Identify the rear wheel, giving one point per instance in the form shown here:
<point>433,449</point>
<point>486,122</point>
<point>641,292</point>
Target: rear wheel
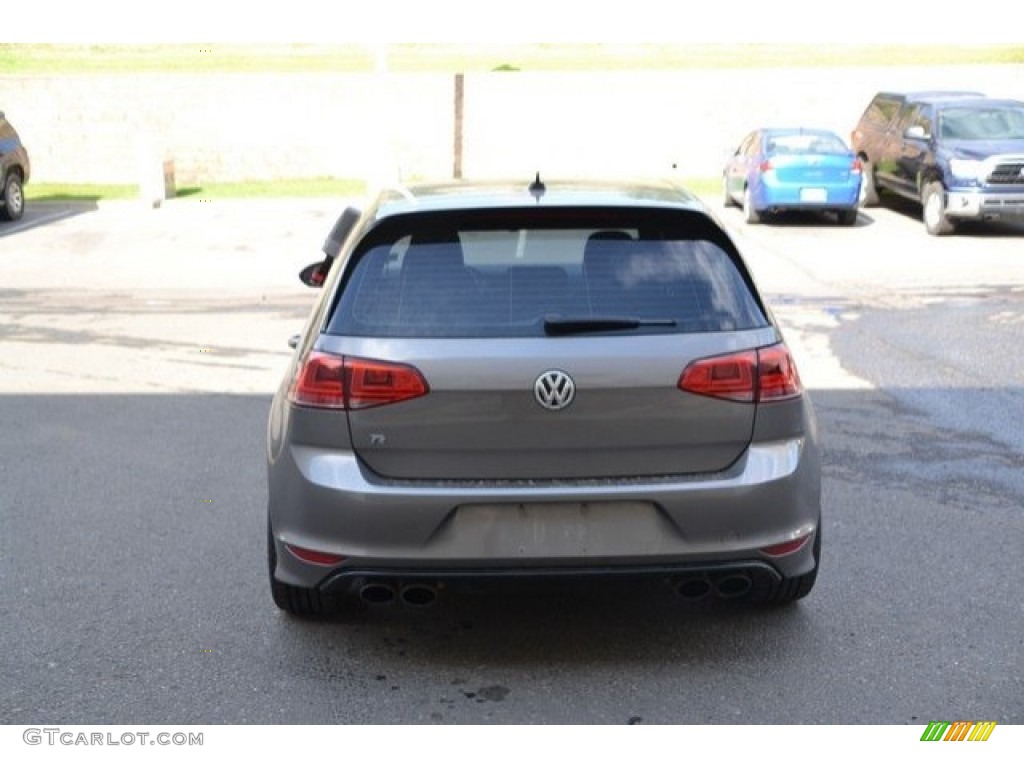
<point>933,204</point>
<point>848,217</point>
<point>13,198</point>
<point>750,214</point>
<point>727,200</point>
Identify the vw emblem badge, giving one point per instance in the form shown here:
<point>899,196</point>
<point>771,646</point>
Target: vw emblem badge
<point>554,390</point>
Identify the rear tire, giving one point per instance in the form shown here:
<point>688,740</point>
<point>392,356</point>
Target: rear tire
<point>790,590</point>
<point>727,201</point>
<point>13,198</point>
<point>868,190</point>
<point>933,210</point>
<point>847,217</point>
<point>750,214</point>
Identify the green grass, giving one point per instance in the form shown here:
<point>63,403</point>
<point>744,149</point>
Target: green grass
<point>55,192</point>
<point>703,187</point>
<point>199,58</point>
<point>345,188</point>
<point>277,188</point>
<point>42,59</point>
<point>79,192</point>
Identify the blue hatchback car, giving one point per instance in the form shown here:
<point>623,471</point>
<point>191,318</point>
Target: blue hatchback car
<point>793,169</point>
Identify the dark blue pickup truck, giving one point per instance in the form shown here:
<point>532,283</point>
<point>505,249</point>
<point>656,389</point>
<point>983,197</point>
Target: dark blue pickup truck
<point>960,154</point>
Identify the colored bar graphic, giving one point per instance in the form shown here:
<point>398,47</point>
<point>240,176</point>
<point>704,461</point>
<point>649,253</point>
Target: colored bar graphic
<point>982,731</point>
<point>935,730</point>
<point>959,730</point>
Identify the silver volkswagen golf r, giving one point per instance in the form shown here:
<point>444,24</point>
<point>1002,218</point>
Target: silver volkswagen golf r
<point>559,379</point>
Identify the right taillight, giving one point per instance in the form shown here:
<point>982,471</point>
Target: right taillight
<point>777,375</point>
<point>752,376</point>
<point>352,383</point>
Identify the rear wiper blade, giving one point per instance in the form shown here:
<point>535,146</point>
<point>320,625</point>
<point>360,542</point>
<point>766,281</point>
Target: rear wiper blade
<point>566,326</point>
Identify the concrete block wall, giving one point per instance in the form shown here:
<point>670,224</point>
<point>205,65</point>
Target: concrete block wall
<point>231,127</point>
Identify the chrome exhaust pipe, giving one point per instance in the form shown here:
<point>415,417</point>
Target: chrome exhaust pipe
<point>377,593</point>
<point>418,595</point>
<point>733,585</point>
<point>694,588</point>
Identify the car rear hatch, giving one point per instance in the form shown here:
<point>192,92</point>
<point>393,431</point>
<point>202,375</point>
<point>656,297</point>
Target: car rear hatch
<point>813,169</point>
<point>811,159</point>
<point>544,349</point>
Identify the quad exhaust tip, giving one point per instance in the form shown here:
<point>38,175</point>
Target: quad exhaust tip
<point>726,586</point>
<point>377,593</point>
<point>418,595</point>
<point>733,585</point>
<point>694,589</point>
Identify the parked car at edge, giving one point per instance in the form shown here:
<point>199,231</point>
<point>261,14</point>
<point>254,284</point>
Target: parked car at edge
<point>959,154</point>
<point>556,380</point>
<point>793,169</point>
<point>14,172</point>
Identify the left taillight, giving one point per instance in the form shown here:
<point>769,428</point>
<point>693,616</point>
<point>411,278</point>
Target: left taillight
<point>351,383</point>
<point>753,376</point>
<point>372,382</point>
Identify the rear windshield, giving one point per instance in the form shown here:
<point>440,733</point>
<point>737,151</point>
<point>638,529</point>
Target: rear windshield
<point>479,279</point>
<point>806,144</point>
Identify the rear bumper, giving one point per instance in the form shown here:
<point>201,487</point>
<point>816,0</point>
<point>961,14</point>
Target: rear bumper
<point>416,587</point>
<point>772,194</point>
<point>327,501</point>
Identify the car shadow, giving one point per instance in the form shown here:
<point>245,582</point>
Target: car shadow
<point>811,219</point>
<point>985,229</point>
<point>798,219</point>
<point>41,212</point>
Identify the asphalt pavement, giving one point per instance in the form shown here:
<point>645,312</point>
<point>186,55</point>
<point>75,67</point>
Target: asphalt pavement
<point>138,351</point>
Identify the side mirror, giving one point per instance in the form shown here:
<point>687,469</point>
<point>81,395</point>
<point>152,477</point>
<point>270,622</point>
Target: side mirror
<point>315,274</point>
<point>916,132</point>
<point>339,232</point>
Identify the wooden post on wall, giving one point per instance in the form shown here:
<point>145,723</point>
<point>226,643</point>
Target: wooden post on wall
<point>459,101</point>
